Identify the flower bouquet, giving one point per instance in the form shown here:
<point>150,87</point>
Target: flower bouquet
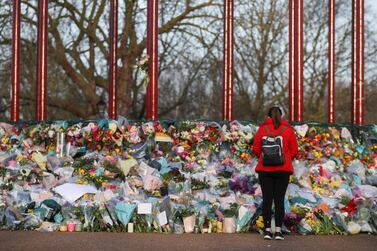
<point>197,184</point>
<point>322,224</point>
<point>230,215</point>
<point>188,216</point>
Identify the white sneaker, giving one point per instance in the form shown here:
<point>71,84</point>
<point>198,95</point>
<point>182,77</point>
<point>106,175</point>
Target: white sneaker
<point>267,235</point>
<point>279,236</point>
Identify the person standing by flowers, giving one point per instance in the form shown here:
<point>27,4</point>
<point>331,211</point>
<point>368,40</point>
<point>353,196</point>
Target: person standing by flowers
<point>275,144</point>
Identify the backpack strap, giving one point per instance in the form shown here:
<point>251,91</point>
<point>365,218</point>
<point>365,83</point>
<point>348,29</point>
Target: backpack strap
<point>270,134</point>
<point>282,130</point>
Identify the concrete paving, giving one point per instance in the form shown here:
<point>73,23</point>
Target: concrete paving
<point>20,240</point>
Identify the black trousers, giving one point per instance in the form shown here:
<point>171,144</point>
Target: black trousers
<point>274,185</point>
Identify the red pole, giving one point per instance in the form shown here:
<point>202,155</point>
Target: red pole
<point>358,62</point>
<point>228,68</point>
<point>292,25</point>
<point>16,46</point>
<point>152,49</point>
<point>300,61</point>
<point>331,64</point>
<point>113,67</point>
<point>296,60</point>
<point>361,58</point>
<point>42,59</point>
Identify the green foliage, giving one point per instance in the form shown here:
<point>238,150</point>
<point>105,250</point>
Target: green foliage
<point>231,211</point>
<point>198,184</point>
<point>327,226</point>
<point>187,211</point>
<point>84,163</point>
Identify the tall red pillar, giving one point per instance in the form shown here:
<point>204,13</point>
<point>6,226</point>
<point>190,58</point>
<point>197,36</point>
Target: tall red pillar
<point>42,60</point>
<point>331,65</point>
<point>113,57</point>
<point>358,62</point>
<point>152,49</point>
<point>228,67</point>
<point>296,60</point>
<point>16,46</point>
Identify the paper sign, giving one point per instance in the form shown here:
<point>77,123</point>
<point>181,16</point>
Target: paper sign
<point>144,208</point>
<point>302,129</point>
<point>72,192</point>
<point>126,165</point>
<point>162,219</point>
<point>40,160</point>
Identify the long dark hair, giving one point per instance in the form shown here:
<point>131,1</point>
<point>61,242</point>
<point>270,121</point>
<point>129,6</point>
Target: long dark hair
<point>275,114</point>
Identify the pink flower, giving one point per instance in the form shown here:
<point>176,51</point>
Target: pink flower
<point>152,183</point>
<point>12,163</point>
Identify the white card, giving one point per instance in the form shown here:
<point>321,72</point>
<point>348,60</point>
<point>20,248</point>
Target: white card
<point>302,129</point>
<point>162,219</point>
<point>144,208</point>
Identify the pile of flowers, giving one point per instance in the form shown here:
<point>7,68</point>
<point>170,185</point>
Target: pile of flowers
<point>179,177</point>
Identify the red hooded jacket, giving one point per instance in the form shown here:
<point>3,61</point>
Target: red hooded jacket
<point>290,146</point>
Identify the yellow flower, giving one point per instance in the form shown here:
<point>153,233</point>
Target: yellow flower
<point>81,171</point>
<point>313,223</point>
<point>323,180</point>
<point>318,189</point>
<point>104,183</point>
<point>317,154</point>
<point>294,209</point>
<point>5,140</point>
<point>260,223</point>
<point>335,183</point>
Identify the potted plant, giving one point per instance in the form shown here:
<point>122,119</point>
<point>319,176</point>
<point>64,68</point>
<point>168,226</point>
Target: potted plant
<point>188,215</point>
<point>230,218</point>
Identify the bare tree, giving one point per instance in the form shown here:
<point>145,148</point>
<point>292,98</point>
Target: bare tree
<point>78,46</point>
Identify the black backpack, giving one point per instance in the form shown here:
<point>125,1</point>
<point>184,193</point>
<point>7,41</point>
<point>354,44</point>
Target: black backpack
<point>272,148</point>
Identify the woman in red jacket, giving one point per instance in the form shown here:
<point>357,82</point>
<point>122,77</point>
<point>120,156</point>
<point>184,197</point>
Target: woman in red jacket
<point>275,145</point>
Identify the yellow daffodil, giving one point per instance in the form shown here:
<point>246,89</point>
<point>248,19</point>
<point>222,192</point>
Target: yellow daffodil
<point>335,183</point>
<point>260,223</point>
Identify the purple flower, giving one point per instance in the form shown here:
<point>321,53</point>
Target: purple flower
<point>242,184</point>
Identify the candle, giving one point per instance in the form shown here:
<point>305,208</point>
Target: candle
<point>219,227</point>
<point>130,227</point>
<point>71,227</point>
<point>60,144</point>
<point>78,227</point>
<point>68,148</point>
<point>63,228</point>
